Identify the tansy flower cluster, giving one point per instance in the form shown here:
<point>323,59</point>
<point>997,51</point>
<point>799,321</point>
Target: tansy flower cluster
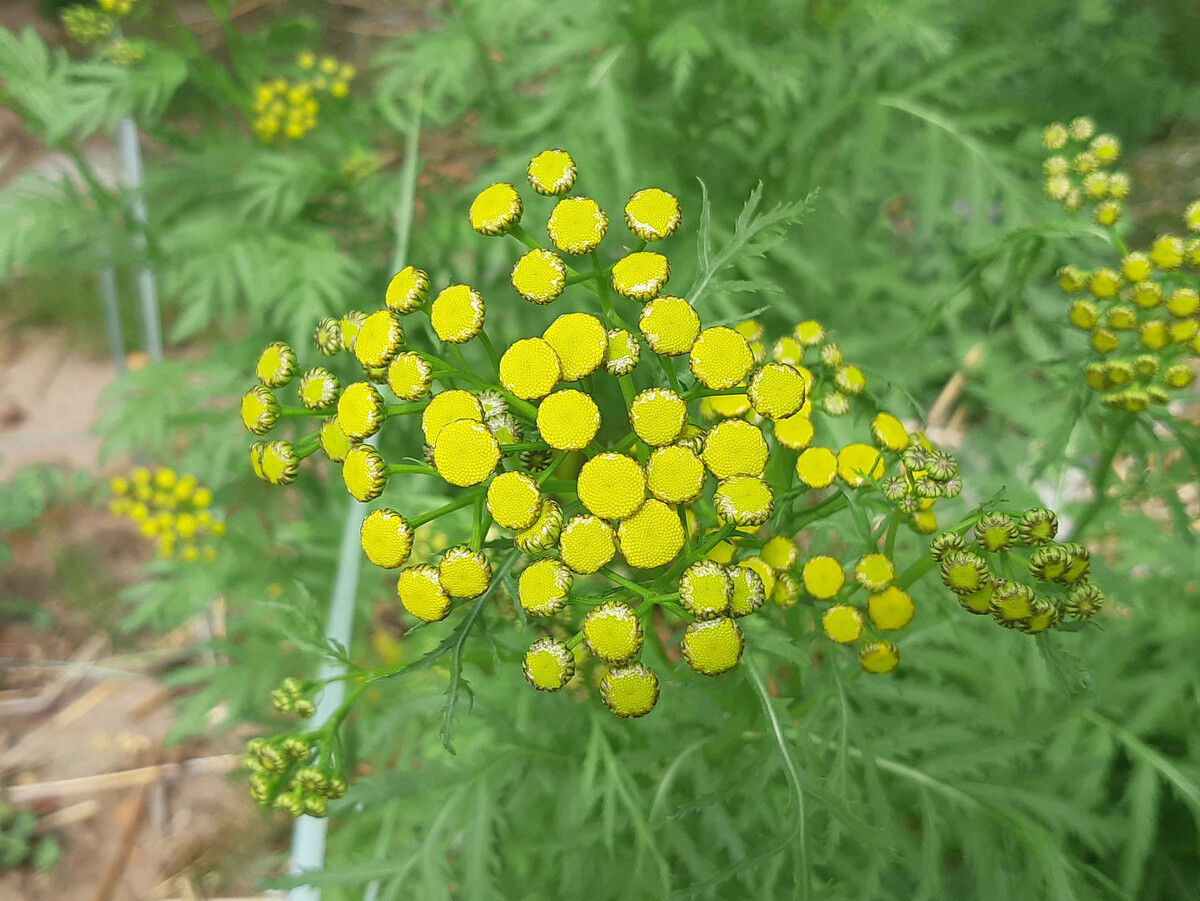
<point>89,25</point>
<point>173,511</point>
<point>288,107</point>
<point>1079,170</point>
<point>1142,315</point>
<point>991,574</point>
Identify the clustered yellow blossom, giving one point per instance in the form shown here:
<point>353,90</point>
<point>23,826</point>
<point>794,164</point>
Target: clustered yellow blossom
<point>1079,171</point>
<point>288,107</point>
<point>91,25</point>
<point>174,511</point>
<point>1142,313</point>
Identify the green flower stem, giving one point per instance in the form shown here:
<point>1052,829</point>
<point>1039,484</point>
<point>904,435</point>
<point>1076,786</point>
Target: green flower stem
<point>698,390</point>
<point>306,451</point>
<point>491,351</point>
<point>1101,474</point>
<point>614,318</point>
<point>526,409</point>
<point>573,641</point>
<point>626,583</point>
<point>288,412</point>
<point>529,241</point>
<point>826,508</point>
<point>668,369</point>
<point>586,277</point>
<point>420,468</point>
<point>544,476</point>
<point>482,522</point>
<point>406,409</point>
<point>626,443</point>
<point>523,446</point>
<point>893,529</point>
<point>458,503</point>
<point>687,537</point>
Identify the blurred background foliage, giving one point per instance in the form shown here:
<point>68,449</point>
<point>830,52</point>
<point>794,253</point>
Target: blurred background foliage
<point>992,766</point>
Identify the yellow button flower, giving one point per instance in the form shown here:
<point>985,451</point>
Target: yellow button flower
<point>734,448</point>
<point>349,326</point>
<point>891,608</point>
<point>705,590</point>
<point>544,532</point>
<point>657,416</point>
<point>333,440</point>
<point>328,337</point>
<point>786,592</point>
<point>612,632</point>
<point>652,214</point>
<point>1183,302</point>
<point>763,570</point>
<point>652,536</point>
<point>675,475</point>
<point>409,376</point>
<point>858,462</point>
<point>318,389</point>
<point>464,573</point>
<point>629,691</point>
<point>622,354</point>
<point>670,325</point>
<point>577,225</point>
<point>446,407</point>
<point>1154,334</point>
<point>387,538</point>
<point>611,485</point>
<point>720,358</point>
<point>748,591</point>
<point>794,432</point>
<point>514,500</point>
<point>1191,216</point>
<point>552,172</point>
<point>364,472</point>
<point>539,276</point>
<point>568,420</point>
<point>495,210</point>
<point>421,593</point>
<point>843,624</point>
<point>379,339</point>
<point>1167,252</point>
<point>544,586</point>
<point>874,572</point>
<point>587,544</point>
<point>640,275</point>
<point>780,552</point>
<point>260,410</point>
<point>713,646</point>
<point>850,379</point>
<point>745,500</point>
<point>809,333</point>
<point>276,366</point>
<point>530,368</point>
<point>407,290</point>
<point>787,350</point>
<point>823,577</point>
<point>889,432</point>
<point>879,657</point>
<point>360,411</point>
<point>466,453</point>
<point>580,341</point>
<point>548,664</point>
<point>776,390</point>
<point>457,314</point>
<point>727,406</point>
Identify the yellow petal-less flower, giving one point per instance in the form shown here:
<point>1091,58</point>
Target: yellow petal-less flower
<point>539,276</point>
<point>657,416</point>
<point>843,624</point>
<point>744,500</point>
<point>776,390</point>
<point>544,532</point>
<point>720,358</point>
<point>260,410</point>
<point>457,314</point>
<point>713,646</point>
<point>530,368</point>
<point>548,664</point>
<point>612,485</point>
<point>650,537</point>
<point>318,389</point>
<point>421,593</point>
<point>879,657</point>
<point>379,339</point>
<point>408,289</point>
<point>1166,252</point>
<point>874,572</point>
<point>670,325</point>
<point>466,453</point>
<point>544,586</point>
<point>891,608</point>
<point>276,366</point>
<point>858,462</point>
<point>333,440</point>
<point>409,376</point>
<point>734,447</point>
<point>652,214</point>
<point>748,592</point>
<point>364,472</point>
<point>360,411</point>
<point>763,570</point>
<point>464,572</point>
<point>675,475</point>
<point>823,577</point>
<point>495,210</point>
<point>387,538</point>
<point>577,225</point>
<point>794,432</point>
<point>629,691</point>
<point>552,172</point>
<point>280,463</point>
<point>580,341</point>
<point>780,552</point>
<point>622,354</point>
<point>889,432</point>
<point>587,543</point>
<point>706,589</point>
<point>514,500</point>
<point>568,420</point>
<point>612,632</point>
<point>641,275</point>
<point>444,408</point>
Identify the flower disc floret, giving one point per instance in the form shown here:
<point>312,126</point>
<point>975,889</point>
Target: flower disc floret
<point>652,214</point>
<point>843,624</point>
<point>260,410</point>
<point>879,657</point>
<point>794,432</point>
<point>409,376</point>
<point>612,632</point>
<point>744,500</point>
<point>874,572</point>
<point>333,440</point>
<point>577,225</point>
<point>568,420</point>
<point>552,172</point>
<point>539,276</point>
<point>720,358</point>
<point>496,209</point>
<point>379,339</point>
<point>544,586</point>
<point>360,411</point>
<point>611,485</point>
<point>641,275</point>
<point>706,590</point>
<point>675,475</point>
<point>548,664</point>
<point>464,572</point>
<point>657,416</point>
<point>280,463</point>
<point>466,453</point>
<point>670,325</point>
<point>652,536</point>
<point>858,462</point>
<point>530,368</point>
<point>514,500</point>
<point>776,390</point>
<point>780,552</point>
<point>714,646</point>
<point>891,608</point>
<point>365,472</point>
<point>1183,302</point>
<point>408,289</point>
<point>387,538</point>
<point>734,448</point>
<point>587,544</point>
<point>622,354</point>
<point>748,592</point>
<point>446,407</point>
<point>580,340</point>
<point>889,432</point>
<point>964,572</point>
<point>629,691</point>
<point>276,366</point>
<point>318,389</point>
<point>457,314</point>
<point>421,593</point>
<point>823,577</point>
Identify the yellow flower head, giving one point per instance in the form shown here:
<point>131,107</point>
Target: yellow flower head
<point>713,646</point>
<point>652,536</point>
<point>260,410</point>
<point>421,593</point>
<point>891,608</point>
<point>379,339</point>
<point>276,366</point>
<point>850,379</point>
<point>879,657</point>
<point>794,432</point>
<point>495,210</point>
<point>457,314</point>
<point>360,410</point>
<point>874,572</point>
<point>465,453</point>
<point>349,326</point>
<point>409,376</point>
<point>408,289</point>
<point>1106,148</point>
<point>652,214</point>
<point>787,350</point>
<point>586,544</point>
<point>1055,136</point>
<point>734,447</point>
<point>548,664</point>
<point>1183,302</point>
<point>705,590</point>
<point>280,463</point>
<point>447,406</point>
<point>675,475</point>
<point>539,276</point>
<point>720,358</point>
<point>657,416</point>
<point>580,341</point>
<point>333,440</point>
<point>889,432</point>
<point>387,538</point>
<point>809,333</point>
<point>365,472</point>
<point>544,532</point>
<point>577,225</point>
<point>514,500</point>
<point>552,172</point>
<point>622,354</point>
<point>780,552</point>
<point>568,420</point>
<point>748,591</point>
<point>464,573</point>
<point>318,389</point>
<point>530,368</point>
<point>612,632</point>
<point>786,592</point>
<point>641,275</point>
<point>544,586</point>
<point>823,577</point>
<point>1167,252</point>
<point>843,624</point>
<point>612,485</point>
<point>745,500</point>
<point>858,462</point>
<point>629,691</point>
<point>763,570</point>
<point>776,390</point>
<point>670,325</point>
<point>328,337</point>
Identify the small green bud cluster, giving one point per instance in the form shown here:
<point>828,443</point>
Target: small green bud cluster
<point>287,698</point>
<point>282,775</point>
